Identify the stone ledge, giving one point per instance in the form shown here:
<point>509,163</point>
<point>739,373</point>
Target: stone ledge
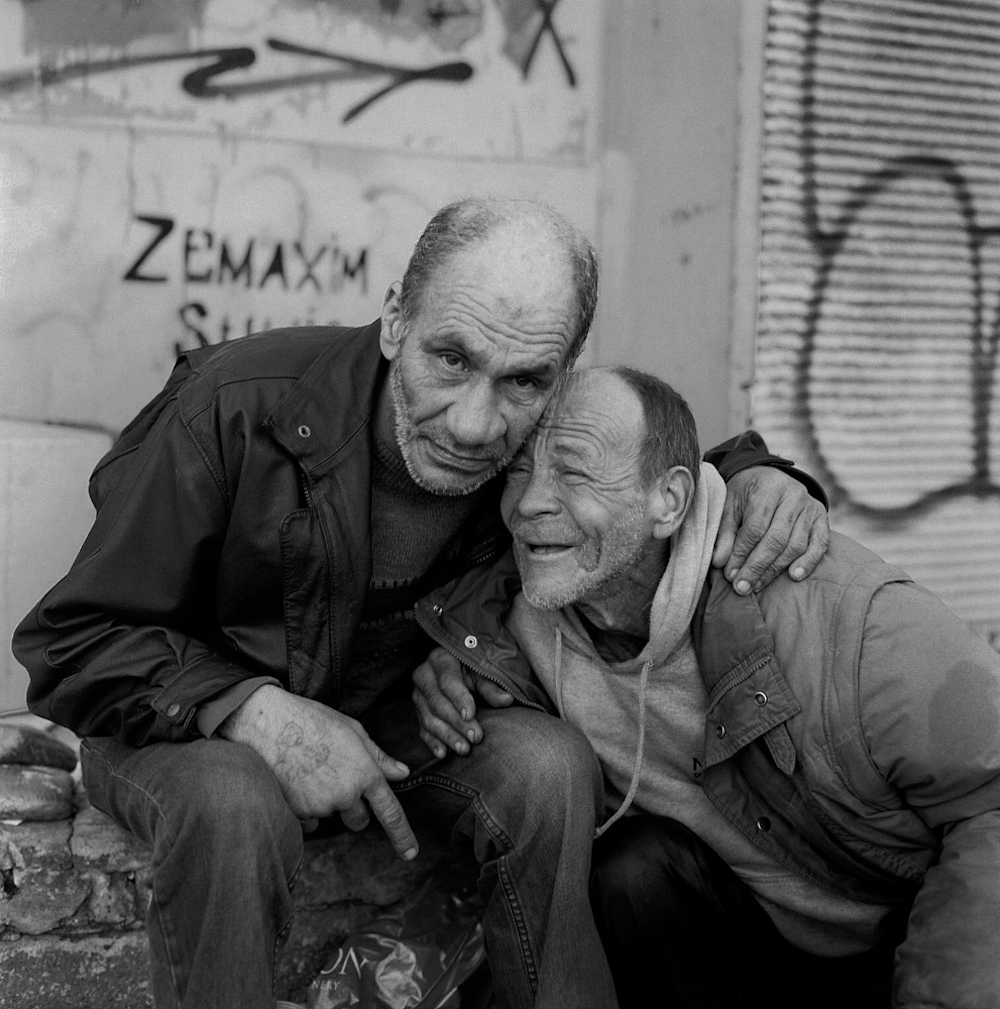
<point>71,877</point>
<point>94,972</point>
<point>71,913</point>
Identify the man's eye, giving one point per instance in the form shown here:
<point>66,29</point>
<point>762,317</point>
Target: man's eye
<point>451,360</point>
<point>519,469</point>
<point>525,382</point>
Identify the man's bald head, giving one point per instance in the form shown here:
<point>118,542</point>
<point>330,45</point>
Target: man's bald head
<point>539,229</point>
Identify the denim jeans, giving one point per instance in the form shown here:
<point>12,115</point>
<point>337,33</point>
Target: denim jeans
<point>227,850</point>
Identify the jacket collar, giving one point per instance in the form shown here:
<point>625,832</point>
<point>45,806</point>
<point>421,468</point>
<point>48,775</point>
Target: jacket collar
<point>333,401</point>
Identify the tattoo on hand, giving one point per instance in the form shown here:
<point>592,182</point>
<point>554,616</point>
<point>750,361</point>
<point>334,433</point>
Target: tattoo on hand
<point>297,758</point>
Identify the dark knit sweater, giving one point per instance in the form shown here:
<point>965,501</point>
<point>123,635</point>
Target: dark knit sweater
<point>410,529</point>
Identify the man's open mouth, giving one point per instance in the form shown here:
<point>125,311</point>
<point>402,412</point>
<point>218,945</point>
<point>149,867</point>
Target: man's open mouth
<point>546,549</point>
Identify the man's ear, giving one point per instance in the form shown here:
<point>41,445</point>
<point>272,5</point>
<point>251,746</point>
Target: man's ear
<point>390,336</point>
<point>670,500</point>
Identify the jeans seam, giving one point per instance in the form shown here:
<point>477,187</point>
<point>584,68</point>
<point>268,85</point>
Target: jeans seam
<point>507,887</point>
<point>514,906</point>
<point>282,932</point>
<point>153,899</point>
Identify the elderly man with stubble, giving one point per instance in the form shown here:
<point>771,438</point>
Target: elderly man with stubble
<point>803,783</point>
<point>241,613</point>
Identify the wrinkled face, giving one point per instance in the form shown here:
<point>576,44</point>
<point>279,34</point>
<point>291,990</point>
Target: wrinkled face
<point>573,500</point>
<point>473,370</point>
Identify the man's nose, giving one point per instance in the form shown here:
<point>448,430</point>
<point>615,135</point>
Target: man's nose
<point>474,419</point>
<point>539,496</point>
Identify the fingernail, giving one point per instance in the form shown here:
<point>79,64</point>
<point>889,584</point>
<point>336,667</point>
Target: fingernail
<point>472,735</point>
<point>410,854</point>
<point>798,573</point>
<point>731,573</point>
<point>402,767</point>
<point>465,714</point>
<point>461,747</point>
<point>742,586</point>
<point>439,751</point>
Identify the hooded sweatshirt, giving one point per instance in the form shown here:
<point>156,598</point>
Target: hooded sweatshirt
<point>645,718</point>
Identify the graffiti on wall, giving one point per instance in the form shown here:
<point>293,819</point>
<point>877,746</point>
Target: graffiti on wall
<point>202,258</point>
<point>305,67</point>
<point>979,250</point>
<point>878,358</point>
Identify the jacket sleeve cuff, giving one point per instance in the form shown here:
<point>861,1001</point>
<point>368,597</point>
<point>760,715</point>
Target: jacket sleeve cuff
<point>213,713</point>
<point>178,701</point>
<point>750,449</point>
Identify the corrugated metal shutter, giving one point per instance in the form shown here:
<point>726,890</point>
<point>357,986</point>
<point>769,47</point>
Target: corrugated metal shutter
<point>879,313</point>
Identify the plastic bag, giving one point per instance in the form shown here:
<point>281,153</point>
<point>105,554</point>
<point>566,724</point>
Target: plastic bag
<point>415,958</point>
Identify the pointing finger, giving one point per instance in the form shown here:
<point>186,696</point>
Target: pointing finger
<point>390,814</point>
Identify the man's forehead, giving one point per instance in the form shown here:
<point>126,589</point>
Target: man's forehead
<point>593,414</point>
<point>522,259</point>
<point>485,302</point>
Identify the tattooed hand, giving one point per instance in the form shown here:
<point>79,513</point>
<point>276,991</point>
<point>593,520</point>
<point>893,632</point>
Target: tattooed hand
<point>324,761</point>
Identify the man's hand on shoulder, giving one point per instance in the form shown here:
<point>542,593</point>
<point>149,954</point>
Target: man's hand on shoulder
<point>444,693</point>
<point>324,761</point>
<point>770,524</point>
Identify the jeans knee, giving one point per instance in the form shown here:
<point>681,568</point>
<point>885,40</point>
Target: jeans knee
<point>569,762</point>
<point>225,795</point>
<point>553,761</point>
<point>543,774</point>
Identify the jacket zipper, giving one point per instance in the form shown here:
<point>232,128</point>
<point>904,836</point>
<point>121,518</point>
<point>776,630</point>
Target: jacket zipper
<point>306,489</point>
<point>472,664</point>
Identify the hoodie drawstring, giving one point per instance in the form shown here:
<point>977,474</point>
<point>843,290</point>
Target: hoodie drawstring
<point>633,786</point>
<point>559,680</point>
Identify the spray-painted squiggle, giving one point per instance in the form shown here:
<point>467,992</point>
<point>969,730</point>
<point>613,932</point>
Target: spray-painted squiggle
<point>828,243</point>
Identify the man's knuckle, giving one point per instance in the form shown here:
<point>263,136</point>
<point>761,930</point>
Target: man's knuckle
<point>756,525</point>
<point>394,818</point>
<point>440,705</point>
<point>774,540</point>
<point>798,542</point>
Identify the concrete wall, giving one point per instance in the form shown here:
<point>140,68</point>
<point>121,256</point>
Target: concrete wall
<point>671,143</point>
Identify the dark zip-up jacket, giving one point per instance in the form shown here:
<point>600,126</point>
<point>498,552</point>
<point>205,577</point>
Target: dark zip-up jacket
<point>232,540</point>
